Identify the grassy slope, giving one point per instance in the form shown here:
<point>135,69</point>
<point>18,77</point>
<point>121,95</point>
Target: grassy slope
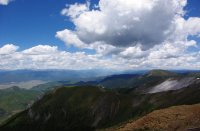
<point>73,109</point>
<point>177,118</point>
<point>13,100</point>
<point>125,104</point>
<point>87,107</point>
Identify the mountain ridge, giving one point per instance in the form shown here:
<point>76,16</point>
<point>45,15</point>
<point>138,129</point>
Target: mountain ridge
<point>176,118</point>
<point>97,107</point>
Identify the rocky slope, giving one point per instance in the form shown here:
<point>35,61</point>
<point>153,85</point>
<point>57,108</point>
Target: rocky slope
<point>177,118</point>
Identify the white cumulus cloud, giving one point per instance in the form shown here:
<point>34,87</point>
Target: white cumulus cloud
<point>5,2</point>
<point>123,23</point>
<point>125,34</point>
<point>135,33</point>
<point>8,49</point>
<point>50,57</point>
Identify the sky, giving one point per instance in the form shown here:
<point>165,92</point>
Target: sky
<point>99,34</point>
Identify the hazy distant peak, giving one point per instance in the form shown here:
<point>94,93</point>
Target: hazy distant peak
<point>159,72</point>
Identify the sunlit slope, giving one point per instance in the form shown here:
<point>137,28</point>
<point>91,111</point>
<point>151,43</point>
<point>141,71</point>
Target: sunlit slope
<point>177,118</point>
<point>14,99</point>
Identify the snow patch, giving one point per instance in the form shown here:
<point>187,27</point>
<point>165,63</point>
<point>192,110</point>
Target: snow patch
<point>172,84</point>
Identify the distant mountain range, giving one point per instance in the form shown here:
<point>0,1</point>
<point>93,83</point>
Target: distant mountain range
<point>150,82</point>
<point>106,102</point>
<point>15,76</point>
<point>51,75</point>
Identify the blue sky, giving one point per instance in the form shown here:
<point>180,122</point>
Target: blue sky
<point>28,23</point>
<point>193,8</point>
<point>31,22</point>
<point>25,24</point>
